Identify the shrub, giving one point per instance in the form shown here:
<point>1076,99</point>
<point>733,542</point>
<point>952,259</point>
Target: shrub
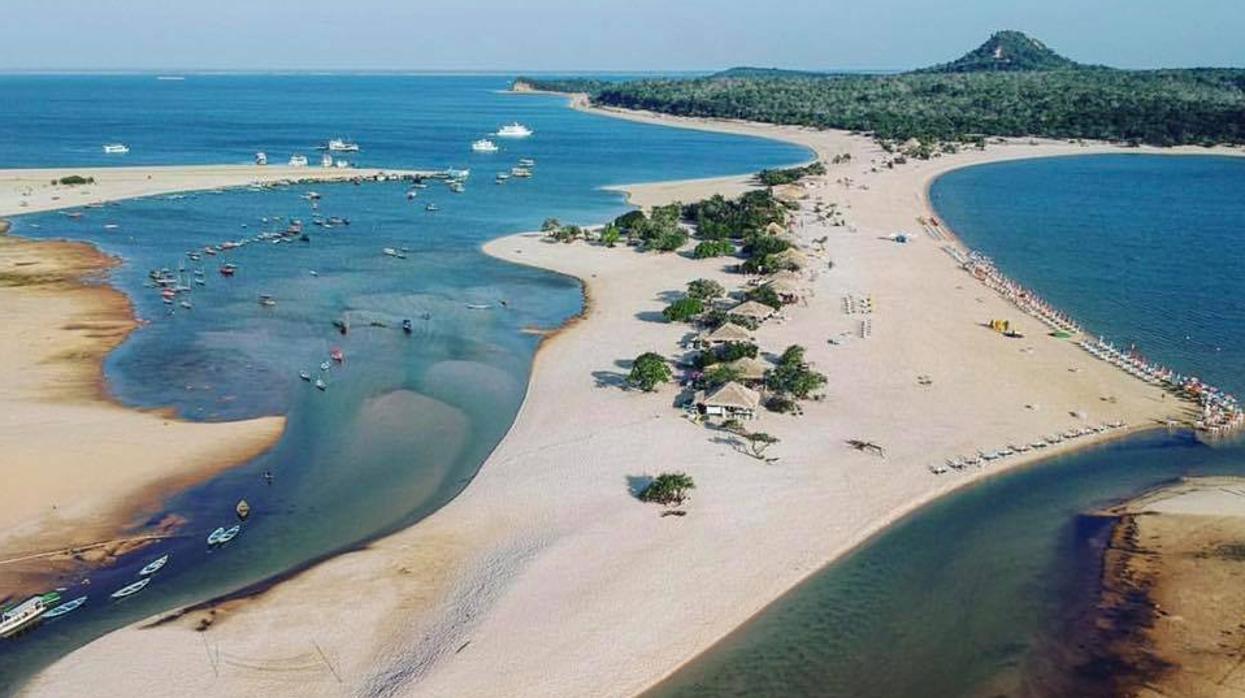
<point>713,248</point>
<point>705,289</point>
<point>683,310</point>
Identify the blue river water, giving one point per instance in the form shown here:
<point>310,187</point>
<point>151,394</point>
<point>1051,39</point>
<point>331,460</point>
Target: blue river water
<point>405,421</point>
<point>972,595</point>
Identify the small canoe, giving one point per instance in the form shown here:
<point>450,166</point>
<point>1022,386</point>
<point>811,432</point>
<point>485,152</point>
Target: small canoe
<point>214,537</point>
<point>131,589</point>
<point>229,534</point>
<point>154,566</point>
<point>67,607</point>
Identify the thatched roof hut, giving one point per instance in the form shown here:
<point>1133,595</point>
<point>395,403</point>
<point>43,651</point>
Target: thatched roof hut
<point>749,369</point>
<point>728,332</point>
<point>790,257</point>
<point>730,400</point>
<point>752,309</point>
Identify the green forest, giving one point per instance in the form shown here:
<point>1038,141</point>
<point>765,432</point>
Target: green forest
<point>1010,86</point>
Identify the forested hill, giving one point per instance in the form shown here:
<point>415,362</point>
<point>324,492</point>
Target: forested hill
<point>1006,51</point>
<point>967,99</point>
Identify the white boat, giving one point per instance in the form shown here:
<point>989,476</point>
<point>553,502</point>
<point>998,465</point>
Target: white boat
<point>229,534</point>
<point>484,145</point>
<point>116,149</point>
<point>298,161</point>
<point>66,607</point>
<point>320,384</point>
<point>22,616</point>
<point>527,162</point>
<point>305,376</point>
<point>326,160</point>
<point>261,158</point>
<point>457,174</point>
<point>223,535</point>
<point>131,589</point>
<point>478,306</point>
<point>154,566</point>
<point>514,130</point>
<point>341,145</point>
<point>520,172</point>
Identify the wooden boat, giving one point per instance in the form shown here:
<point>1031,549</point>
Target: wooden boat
<point>229,534</point>
<point>131,589</point>
<point>22,616</point>
<point>67,607</point>
<point>154,566</point>
<point>336,355</point>
<point>406,326</point>
<point>243,509</point>
<point>228,269</point>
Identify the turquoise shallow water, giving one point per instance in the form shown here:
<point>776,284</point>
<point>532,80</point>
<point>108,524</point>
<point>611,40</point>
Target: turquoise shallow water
<point>407,420</point>
<point>971,596</point>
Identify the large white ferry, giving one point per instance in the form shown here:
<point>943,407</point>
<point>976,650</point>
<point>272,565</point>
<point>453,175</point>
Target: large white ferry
<point>340,145</point>
<point>514,130</point>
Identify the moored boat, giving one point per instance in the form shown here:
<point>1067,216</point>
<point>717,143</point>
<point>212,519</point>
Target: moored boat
<point>484,145</point>
<point>22,616</point>
<point>131,589</point>
<point>67,607</point>
<point>154,566</point>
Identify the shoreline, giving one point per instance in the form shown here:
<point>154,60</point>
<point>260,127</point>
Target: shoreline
<point>125,462</point>
<point>516,574</point>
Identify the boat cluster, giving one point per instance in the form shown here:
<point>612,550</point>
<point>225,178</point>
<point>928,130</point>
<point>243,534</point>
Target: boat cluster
<point>523,170</point>
<point>983,458</point>
<point>983,269</point>
<point>23,616</point>
<point>1221,412</point>
<point>336,357</point>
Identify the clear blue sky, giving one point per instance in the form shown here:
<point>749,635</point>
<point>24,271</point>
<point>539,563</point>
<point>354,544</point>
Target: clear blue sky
<point>599,34</point>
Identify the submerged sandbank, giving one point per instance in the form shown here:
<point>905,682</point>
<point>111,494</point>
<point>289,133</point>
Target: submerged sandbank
<point>1164,618</point>
<point>546,577</point>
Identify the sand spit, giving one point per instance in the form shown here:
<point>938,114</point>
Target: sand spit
<point>546,577</point>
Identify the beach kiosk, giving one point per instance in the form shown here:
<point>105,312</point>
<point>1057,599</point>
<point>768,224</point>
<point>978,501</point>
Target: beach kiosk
<point>730,401</point>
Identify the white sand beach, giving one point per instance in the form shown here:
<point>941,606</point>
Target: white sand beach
<point>547,577</point>
<point>33,190</point>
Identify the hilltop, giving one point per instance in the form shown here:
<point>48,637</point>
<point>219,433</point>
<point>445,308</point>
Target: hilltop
<point>1006,51</point>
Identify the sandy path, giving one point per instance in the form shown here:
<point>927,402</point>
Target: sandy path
<point>547,578</point>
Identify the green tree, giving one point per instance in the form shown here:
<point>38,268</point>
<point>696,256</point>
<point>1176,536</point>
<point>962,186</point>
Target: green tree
<point>668,488</point>
<point>648,371</point>
<point>550,225</point>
